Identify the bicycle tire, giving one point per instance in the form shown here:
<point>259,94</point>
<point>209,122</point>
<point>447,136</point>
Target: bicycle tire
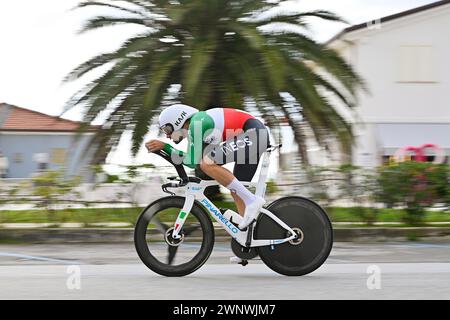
<point>313,248</point>
<point>143,250</point>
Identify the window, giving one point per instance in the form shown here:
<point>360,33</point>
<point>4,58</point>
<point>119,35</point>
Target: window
<point>58,155</point>
<point>18,157</point>
<point>416,64</point>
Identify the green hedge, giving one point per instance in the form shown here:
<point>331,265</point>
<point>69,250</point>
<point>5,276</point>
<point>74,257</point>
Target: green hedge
<point>415,186</point>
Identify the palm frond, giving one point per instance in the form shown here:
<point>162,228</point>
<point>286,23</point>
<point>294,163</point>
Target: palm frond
<point>158,83</point>
<point>136,45</point>
<point>198,55</point>
<point>108,21</point>
<point>221,55</point>
<point>107,5</point>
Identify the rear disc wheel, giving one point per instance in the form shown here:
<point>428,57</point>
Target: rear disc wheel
<point>314,241</point>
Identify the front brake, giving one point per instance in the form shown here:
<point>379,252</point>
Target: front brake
<point>169,185</point>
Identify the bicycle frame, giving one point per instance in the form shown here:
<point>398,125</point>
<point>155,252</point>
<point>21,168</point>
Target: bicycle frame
<point>195,191</point>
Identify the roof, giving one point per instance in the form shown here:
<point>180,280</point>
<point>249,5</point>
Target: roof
<point>13,118</point>
<point>391,17</point>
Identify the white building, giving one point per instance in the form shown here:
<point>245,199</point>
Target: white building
<point>405,60</point>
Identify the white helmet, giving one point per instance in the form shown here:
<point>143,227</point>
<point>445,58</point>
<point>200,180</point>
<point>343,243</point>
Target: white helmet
<point>173,118</point>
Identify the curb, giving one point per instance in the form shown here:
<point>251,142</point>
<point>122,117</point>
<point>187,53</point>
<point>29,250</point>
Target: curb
<point>391,234</point>
<point>120,235</point>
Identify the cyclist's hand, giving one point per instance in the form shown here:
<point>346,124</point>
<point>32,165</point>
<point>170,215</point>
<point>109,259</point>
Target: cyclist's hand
<point>154,145</point>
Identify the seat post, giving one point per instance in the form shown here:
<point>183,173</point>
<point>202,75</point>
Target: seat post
<point>261,184</point>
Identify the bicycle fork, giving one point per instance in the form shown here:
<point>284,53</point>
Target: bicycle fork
<point>182,216</point>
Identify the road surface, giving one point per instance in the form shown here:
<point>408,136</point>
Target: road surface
<point>353,271</point>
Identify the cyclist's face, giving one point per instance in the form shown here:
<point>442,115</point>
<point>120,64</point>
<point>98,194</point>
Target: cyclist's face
<point>178,135</point>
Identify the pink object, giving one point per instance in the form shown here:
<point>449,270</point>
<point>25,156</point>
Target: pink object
<point>400,154</point>
<point>440,155</point>
<point>419,153</point>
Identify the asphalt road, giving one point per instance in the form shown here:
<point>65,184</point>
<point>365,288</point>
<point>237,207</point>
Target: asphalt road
<point>353,271</point>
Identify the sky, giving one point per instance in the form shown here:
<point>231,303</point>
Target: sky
<point>39,45</point>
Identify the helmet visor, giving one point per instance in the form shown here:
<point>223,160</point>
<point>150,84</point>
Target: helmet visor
<point>167,129</point>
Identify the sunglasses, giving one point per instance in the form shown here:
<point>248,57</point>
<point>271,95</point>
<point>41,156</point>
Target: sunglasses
<point>167,129</point>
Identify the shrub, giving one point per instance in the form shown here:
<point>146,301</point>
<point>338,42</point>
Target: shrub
<point>50,185</point>
<point>415,186</point>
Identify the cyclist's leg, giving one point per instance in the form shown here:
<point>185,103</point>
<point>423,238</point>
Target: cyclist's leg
<point>243,172</point>
<point>240,205</point>
<point>243,197</point>
<point>246,150</point>
<point>216,171</point>
<point>227,179</point>
<point>213,168</point>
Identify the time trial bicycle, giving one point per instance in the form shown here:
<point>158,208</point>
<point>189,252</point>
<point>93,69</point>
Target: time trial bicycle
<point>174,235</point>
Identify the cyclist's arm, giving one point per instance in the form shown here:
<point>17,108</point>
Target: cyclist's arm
<point>170,150</point>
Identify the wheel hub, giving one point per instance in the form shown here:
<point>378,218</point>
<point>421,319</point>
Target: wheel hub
<point>170,240</point>
<point>300,237</point>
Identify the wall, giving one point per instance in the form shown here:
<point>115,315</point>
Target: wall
<point>27,144</point>
<point>376,55</point>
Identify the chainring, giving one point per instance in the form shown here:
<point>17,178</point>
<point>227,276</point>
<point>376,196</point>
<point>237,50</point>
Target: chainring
<point>242,252</point>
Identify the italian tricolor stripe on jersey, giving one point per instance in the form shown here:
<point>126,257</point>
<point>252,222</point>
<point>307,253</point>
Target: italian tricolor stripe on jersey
<point>234,120</point>
<point>210,126</point>
<point>228,119</point>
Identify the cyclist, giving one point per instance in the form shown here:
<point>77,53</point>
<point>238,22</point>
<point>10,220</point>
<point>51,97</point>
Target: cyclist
<point>215,137</point>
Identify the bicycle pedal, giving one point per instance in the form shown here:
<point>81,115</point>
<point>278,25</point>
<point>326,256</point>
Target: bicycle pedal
<point>236,260</point>
<point>244,263</point>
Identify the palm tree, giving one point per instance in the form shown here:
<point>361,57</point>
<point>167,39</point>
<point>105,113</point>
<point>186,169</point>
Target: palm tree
<point>222,53</point>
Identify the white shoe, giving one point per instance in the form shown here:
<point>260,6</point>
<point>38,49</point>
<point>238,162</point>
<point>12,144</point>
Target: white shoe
<point>235,260</point>
<point>251,212</point>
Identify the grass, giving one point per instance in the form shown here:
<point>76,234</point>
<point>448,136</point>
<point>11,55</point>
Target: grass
<point>129,215</point>
<point>87,216</point>
<point>10,241</point>
<point>382,215</point>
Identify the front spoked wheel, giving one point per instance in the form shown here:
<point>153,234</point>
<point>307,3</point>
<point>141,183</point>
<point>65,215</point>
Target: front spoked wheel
<point>314,240</point>
<point>160,251</point>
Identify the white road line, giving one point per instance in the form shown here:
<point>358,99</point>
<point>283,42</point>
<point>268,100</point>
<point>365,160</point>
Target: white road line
<point>27,257</point>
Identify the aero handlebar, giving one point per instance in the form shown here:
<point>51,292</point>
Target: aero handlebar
<point>179,167</point>
<point>184,179</point>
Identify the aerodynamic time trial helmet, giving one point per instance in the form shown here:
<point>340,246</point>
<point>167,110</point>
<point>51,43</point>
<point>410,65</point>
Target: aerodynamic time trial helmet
<point>174,117</point>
